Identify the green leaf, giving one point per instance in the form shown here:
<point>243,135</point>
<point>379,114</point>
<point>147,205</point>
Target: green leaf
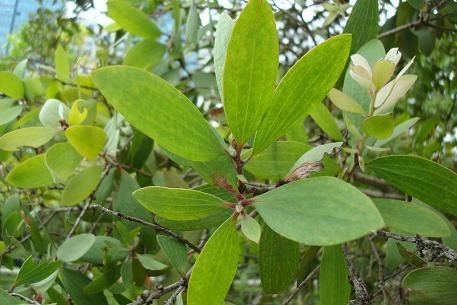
<point>304,85</point>
<point>52,112</point>
<point>74,283</point>
<point>192,24</point>
<point>6,299</point>
<point>278,260</point>
<point>160,111</point>
<point>124,202</point>
<point>315,154</point>
<point>105,280</point>
<point>74,248</point>
<point>221,39</point>
<point>178,204</point>
<point>87,140</point>
<point>31,173</point>
<point>211,221</point>
<point>363,23</point>
<point>250,70</point>
<point>250,227</point>
<point>326,121</point>
<point>423,179</point>
<point>62,159</point>
<point>176,253</point>
<point>319,211</point>
<point>105,246</point>
<point>275,161</point>
<point>29,136</point>
<point>132,19</point>
<point>148,262</point>
<point>431,286</point>
<point>215,267</point>
<point>80,186</point>
<point>398,130</point>
<point>62,63</point>
<point>11,85</point>
<point>379,126</point>
<point>9,111</point>
<point>344,102</point>
<point>33,272</point>
<point>421,220</point>
<point>334,288</point>
<point>145,54</point>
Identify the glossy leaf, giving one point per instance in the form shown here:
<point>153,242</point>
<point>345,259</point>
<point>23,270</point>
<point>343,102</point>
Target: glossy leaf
<point>176,253</point>
<point>145,54</point>
<point>62,159</point>
<point>87,140</point>
<point>334,288</point>
<point>423,179</point>
<point>29,136</point>
<point>215,267</point>
<point>132,19</point>
<point>250,70</point>
<point>275,161</point>
<point>11,85</point>
<point>178,204</point>
<point>75,247</point>
<point>31,173</point>
<point>379,126</point>
<point>160,111</point>
<point>80,186</point>
<point>343,213</point>
<point>304,85</point>
<point>326,121</point>
<point>278,260</point>
<point>433,285</point>
<point>363,23</point>
<point>221,39</point>
<point>421,220</point>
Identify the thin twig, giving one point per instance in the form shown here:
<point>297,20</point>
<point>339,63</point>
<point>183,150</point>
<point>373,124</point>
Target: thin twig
<point>297,289</point>
<point>361,292</point>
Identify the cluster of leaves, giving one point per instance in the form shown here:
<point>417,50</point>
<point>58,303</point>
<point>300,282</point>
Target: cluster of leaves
<point>115,181</point>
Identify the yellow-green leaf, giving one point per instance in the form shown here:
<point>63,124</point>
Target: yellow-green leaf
<point>31,173</point>
<point>160,111</point>
<point>145,54</point>
<point>344,102</point>
<point>379,126</point>
<point>80,186</point>
<point>62,63</point>
<point>250,71</point>
<point>11,85</point>
<point>29,136</point>
<point>326,121</point>
<point>87,140</point>
<point>304,85</point>
<point>62,159</point>
<point>215,267</point>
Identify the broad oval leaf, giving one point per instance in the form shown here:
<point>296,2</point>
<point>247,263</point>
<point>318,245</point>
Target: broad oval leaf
<point>304,85</point>
<point>52,112</point>
<point>62,159</point>
<point>29,136</point>
<point>250,70</point>
<point>75,247</point>
<point>344,102</point>
<point>150,263</point>
<point>319,211</point>
<point>334,288</point>
<point>145,54</point>
<point>87,140</point>
<point>276,161</point>
<point>11,85</point>
<point>31,173</point>
<point>132,19</point>
<point>423,179</point>
<point>250,227</point>
<point>178,204</point>
<point>278,260</point>
<point>398,130</point>
<point>105,245</point>
<point>80,186</point>
<point>420,220</point>
<point>175,251</point>
<point>160,111</point>
<point>433,285</point>
<point>215,267</point>
<point>9,111</point>
<point>379,126</point>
